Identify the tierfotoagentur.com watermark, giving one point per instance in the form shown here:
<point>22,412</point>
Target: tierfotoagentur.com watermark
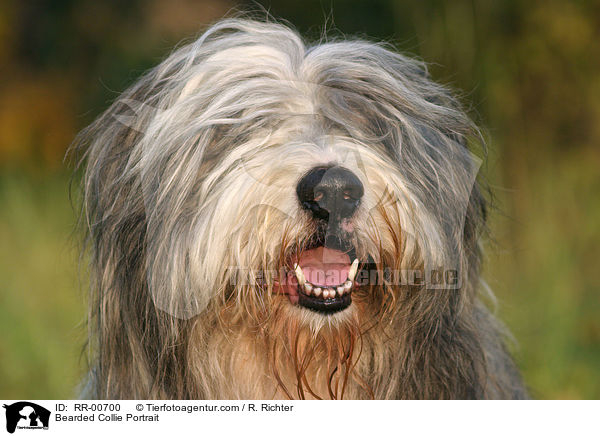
<point>431,279</point>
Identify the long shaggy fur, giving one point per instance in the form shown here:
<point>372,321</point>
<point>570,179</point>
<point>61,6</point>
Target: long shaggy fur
<point>189,199</point>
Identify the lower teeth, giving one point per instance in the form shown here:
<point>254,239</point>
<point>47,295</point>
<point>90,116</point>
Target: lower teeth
<point>327,293</point>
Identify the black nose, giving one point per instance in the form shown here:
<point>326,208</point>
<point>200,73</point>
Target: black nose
<point>330,192</point>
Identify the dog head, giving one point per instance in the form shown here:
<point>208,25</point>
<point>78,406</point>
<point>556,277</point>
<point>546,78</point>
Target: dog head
<point>251,174</point>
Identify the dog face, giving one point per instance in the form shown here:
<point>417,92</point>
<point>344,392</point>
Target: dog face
<point>253,184</point>
<point>263,164</point>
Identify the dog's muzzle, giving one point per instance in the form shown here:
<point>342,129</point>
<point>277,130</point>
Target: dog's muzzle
<point>324,271</point>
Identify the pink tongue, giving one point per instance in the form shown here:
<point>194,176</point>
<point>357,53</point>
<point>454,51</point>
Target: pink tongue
<point>324,266</point>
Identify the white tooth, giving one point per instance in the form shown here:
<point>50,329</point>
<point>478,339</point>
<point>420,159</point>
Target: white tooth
<point>308,288</point>
<point>353,270</point>
<point>317,291</point>
<point>340,290</point>
<point>299,274</point>
<point>347,284</point>
<point>325,294</point>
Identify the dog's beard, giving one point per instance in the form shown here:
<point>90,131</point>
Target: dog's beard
<point>309,354</point>
<point>312,356</point>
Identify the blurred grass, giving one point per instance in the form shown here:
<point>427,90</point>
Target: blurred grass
<point>41,308</point>
<point>544,271</point>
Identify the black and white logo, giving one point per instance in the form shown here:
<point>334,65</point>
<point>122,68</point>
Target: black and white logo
<point>26,415</point>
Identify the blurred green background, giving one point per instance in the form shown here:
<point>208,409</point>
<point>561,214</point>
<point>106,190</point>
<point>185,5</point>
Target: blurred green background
<point>528,70</point>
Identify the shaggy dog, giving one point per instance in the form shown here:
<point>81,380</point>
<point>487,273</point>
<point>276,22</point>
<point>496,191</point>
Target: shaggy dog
<point>268,220</point>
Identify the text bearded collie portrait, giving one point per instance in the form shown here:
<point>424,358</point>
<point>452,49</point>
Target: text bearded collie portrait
<point>272,219</point>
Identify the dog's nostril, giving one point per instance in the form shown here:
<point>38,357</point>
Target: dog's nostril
<point>330,191</point>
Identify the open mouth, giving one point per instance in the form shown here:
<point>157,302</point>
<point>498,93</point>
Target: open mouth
<point>324,280</point>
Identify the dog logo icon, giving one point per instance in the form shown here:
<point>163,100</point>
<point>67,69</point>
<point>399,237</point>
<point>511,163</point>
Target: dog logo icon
<point>26,415</point>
